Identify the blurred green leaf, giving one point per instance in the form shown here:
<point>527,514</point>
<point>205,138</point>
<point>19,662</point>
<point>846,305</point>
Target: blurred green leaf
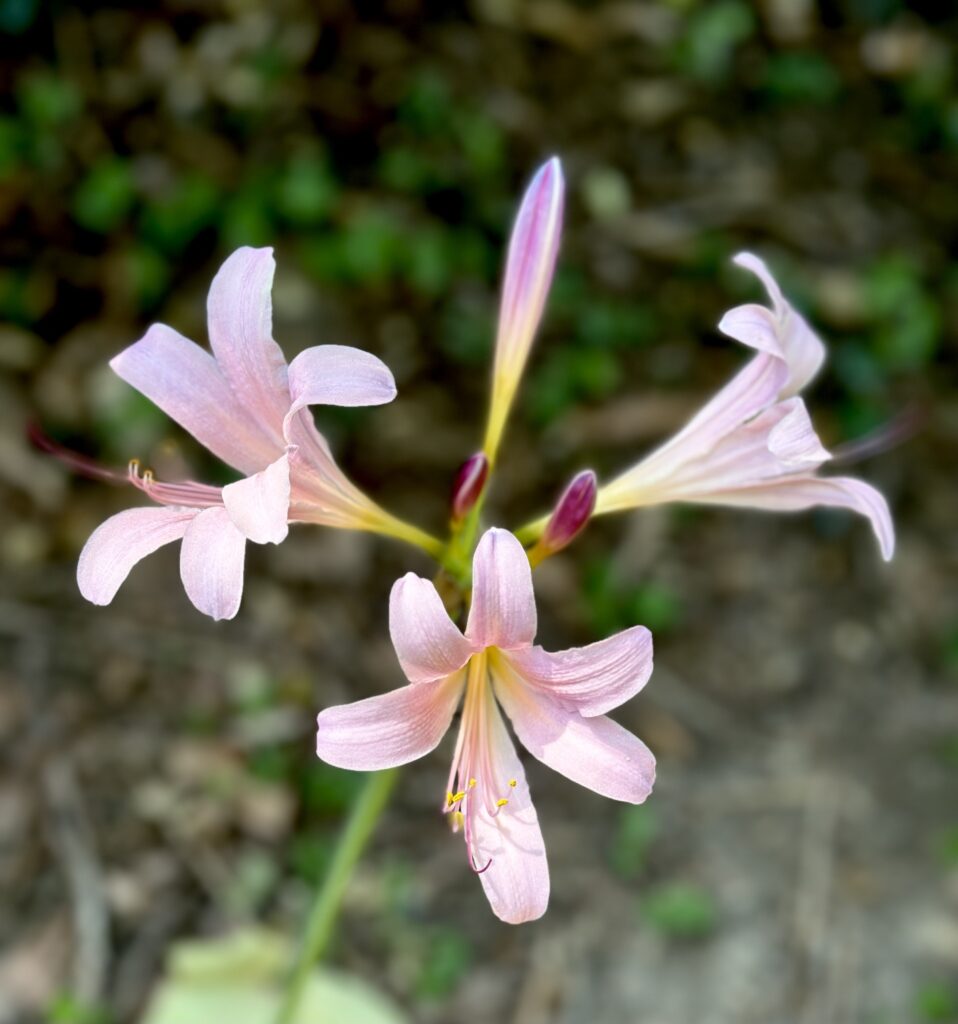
<point>712,34</point>
<point>633,839</point>
<point>11,145</point>
<point>47,99</point>
<point>173,219</point>
<point>328,790</point>
<point>907,321</point>
<point>239,979</point>
<point>801,77</point>
<point>447,959</point>
<point>937,1002</point>
<point>17,16</point>
<point>948,846</point>
<point>680,910</point>
<point>66,1009</point>
<point>306,191</point>
<point>105,197</point>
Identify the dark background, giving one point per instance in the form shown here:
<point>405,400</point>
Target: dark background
<point>798,861</point>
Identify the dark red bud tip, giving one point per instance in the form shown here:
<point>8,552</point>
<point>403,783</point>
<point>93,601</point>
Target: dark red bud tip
<point>571,513</point>
<point>469,484</point>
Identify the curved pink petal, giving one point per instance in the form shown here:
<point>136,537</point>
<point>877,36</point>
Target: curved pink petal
<point>119,543</point>
<point>259,505</point>
<point>390,729</point>
<point>506,843</point>
<point>338,375</point>
<point>184,381</point>
<point>428,643</point>
<point>595,752</point>
<point>590,680</point>
<point>803,350</point>
<point>795,493</point>
<point>211,563</point>
<point>503,612</point>
<point>240,312</point>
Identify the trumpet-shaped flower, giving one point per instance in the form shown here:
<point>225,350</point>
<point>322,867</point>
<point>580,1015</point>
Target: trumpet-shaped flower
<point>557,704</point>
<point>249,408</point>
<point>533,248</point>
<point>753,444</point>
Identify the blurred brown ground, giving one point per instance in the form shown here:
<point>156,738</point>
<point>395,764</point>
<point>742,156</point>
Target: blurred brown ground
<point>797,861</point>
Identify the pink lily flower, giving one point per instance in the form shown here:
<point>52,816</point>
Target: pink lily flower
<point>249,408</point>
<point>753,444</point>
<point>557,704</point>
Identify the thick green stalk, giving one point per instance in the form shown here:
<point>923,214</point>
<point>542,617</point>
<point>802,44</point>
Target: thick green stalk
<point>322,917</point>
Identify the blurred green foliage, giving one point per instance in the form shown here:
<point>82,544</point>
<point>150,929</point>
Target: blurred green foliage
<point>636,832</point>
<point>937,1003</point>
<point>680,910</point>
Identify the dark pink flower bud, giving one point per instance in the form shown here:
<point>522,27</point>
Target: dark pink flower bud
<point>469,484</point>
<point>571,513</point>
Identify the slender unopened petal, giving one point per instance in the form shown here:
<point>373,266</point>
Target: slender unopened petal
<point>533,248</point>
<point>390,729</point>
<point>259,505</point>
<point>211,563</point>
<point>792,494</point>
<point>338,375</point>
<point>595,752</point>
<point>590,680</point>
<point>428,643</point>
<point>507,842</point>
<point>119,543</point>
<point>503,612</point>
<point>185,382</point>
<point>240,311</point>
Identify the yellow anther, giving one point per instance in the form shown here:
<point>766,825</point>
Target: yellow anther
<point>454,798</point>
<point>501,802</point>
<point>472,783</point>
<point>513,783</point>
<point>134,465</point>
<point>457,820</point>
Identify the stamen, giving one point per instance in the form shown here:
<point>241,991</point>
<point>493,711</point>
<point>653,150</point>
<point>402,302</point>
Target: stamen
<point>513,783</point>
<point>482,870</point>
<point>501,802</point>
<point>472,783</point>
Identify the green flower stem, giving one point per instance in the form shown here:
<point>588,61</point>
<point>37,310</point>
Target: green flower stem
<point>322,917</point>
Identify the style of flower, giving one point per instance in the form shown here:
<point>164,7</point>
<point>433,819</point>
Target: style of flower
<point>530,264</point>
<point>557,703</point>
<point>753,444</point>
<point>249,408</point>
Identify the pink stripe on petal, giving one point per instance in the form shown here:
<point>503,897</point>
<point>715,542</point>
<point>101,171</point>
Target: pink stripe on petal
<point>506,842</point>
<point>119,543</point>
<point>595,752</point>
<point>793,440</point>
<point>390,729</point>
<point>503,612</point>
<point>428,643</point>
<point>240,313</point>
<point>338,375</point>
<point>184,381</point>
<point>589,680</point>
<point>211,563</point>
<point>259,505</point>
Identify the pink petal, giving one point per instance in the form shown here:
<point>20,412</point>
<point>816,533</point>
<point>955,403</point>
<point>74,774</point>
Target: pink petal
<point>338,375</point>
<point>793,441</point>
<point>211,563</point>
<point>185,382</point>
<point>390,729</point>
<point>119,543</point>
<point>589,680</point>
<point>508,839</point>
<point>240,312</point>
<point>801,347</point>
<point>503,612</point>
<point>427,642</point>
<point>794,493</point>
<point>259,505</point>
<point>595,752</point>
<point>533,248</point>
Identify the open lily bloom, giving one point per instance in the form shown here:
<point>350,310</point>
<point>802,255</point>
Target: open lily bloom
<point>530,264</point>
<point>753,444</point>
<point>557,704</point>
<point>249,408</point>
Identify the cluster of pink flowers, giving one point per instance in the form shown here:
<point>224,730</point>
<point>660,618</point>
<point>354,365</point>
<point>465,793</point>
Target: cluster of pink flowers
<point>752,445</point>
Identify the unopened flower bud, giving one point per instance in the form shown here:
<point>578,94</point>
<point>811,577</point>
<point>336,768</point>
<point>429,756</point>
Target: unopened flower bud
<point>469,484</point>
<point>571,513</point>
